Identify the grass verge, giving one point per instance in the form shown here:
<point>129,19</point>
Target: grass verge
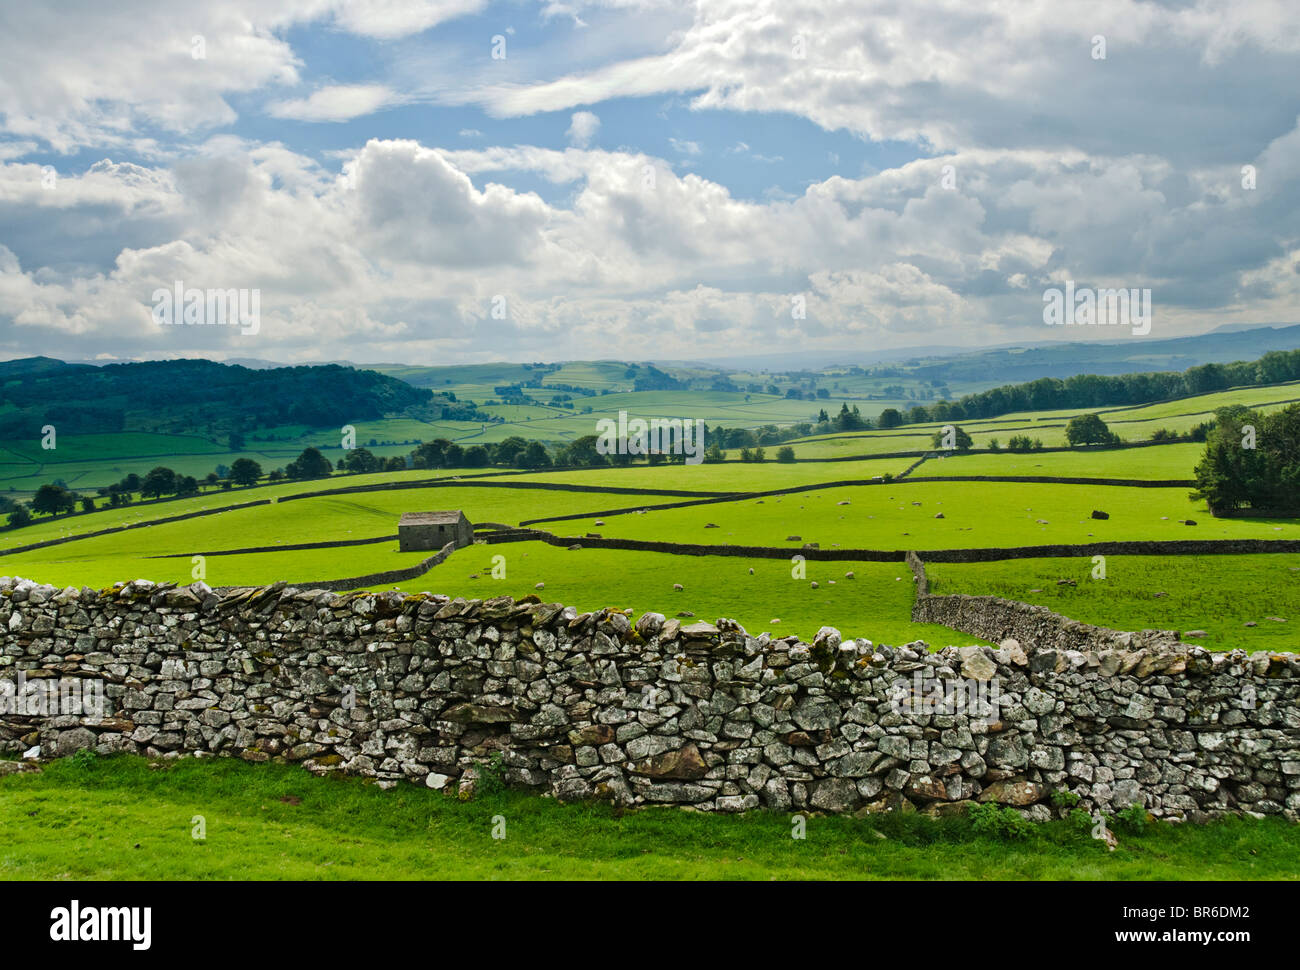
<point>124,818</point>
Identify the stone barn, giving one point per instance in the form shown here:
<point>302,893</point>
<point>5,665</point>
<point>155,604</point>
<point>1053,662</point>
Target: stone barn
<point>430,531</point>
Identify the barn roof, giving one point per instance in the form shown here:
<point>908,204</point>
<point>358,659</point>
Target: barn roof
<point>449,517</point>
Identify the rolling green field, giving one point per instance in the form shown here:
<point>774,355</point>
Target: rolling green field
<point>88,462</point>
<point>862,443</point>
<point>902,515</point>
<point>125,818</point>
<point>732,476</point>
<point>1217,594</point>
<point>274,821</point>
<point>875,604</point>
<point>1164,463</point>
<point>1132,424</point>
<point>80,523</point>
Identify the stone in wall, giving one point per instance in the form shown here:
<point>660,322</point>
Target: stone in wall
<point>425,689</point>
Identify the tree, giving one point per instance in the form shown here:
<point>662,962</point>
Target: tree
<point>53,499</point>
<point>1087,429</point>
<point>187,485</point>
<point>848,420</point>
<point>430,454</point>
<point>1251,460</point>
<point>583,452</point>
<point>507,451</point>
<point>244,471</point>
<point>359,461</point>
<point>87,503</point>
<point>476,456</point>
<point>159,482</point>
<point>890,418</point>
<point>785,455</point>
<point>20,517</point>
<point>961,439</point>
<point>535,456</point>
<point>310,464</point>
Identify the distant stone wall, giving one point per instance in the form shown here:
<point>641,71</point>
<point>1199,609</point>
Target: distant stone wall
<point>379,579</point>
<point>1141,547</point>
<point>587,705</point>
<point>1060,480</point>
<point>997,619</point>
<point>59,540</point>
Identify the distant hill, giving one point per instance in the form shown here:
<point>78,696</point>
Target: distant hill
<point>1028,361</point>
<point>31,365</point>
<point>1001,364</point>
<point>201,396</point>
<point>1013,365</point>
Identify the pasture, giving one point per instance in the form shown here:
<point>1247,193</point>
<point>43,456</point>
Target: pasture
<point>1234,602</point>
<point>875,604</point>
<point>271,821</point>
<point>125,818</point>
<point>905,515</point>
<point>1219,595</point>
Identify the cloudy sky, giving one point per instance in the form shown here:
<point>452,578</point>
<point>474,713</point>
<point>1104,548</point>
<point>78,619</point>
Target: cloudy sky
<point>435,181</point>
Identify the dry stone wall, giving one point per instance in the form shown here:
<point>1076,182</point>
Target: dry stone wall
<point>589,705</point>
<point>997,619</point>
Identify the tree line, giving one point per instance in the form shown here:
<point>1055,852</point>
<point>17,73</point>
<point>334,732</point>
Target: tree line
<point>1251,461</point>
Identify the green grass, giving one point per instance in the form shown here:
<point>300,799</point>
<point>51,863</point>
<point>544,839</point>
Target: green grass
<point>725,477</point>
<point>864,443</point>
<point>251,569</point>
<point>1217,594</point>
<point>1132,424</point>
<point>94,447</point>
<point>1200,404</point>
<point>124,818</point>
<point>976,514</point>
<point>895,516</point>
<point>79,523</point>
<point>101,560</point>
<point>87,462</point>
<point>876,604</point>
<point>1157,462</point>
